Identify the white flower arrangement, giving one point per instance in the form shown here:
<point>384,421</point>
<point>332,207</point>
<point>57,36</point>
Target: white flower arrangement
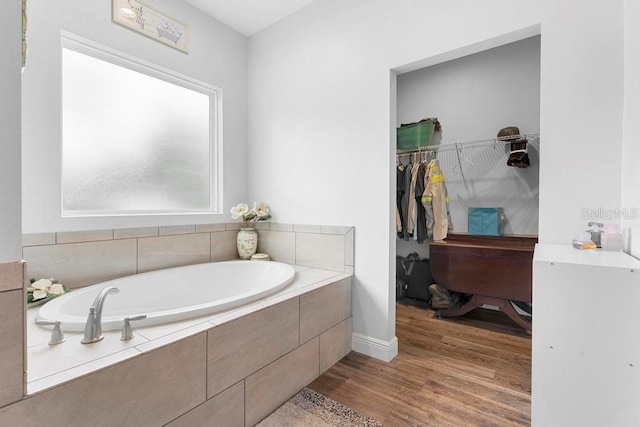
<point>44,289</point>
<point>259,212</point>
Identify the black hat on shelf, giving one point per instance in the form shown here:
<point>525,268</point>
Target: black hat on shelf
<point>509,133</point>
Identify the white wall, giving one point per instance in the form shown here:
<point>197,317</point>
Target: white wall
<point>10,51</point>
<point>217,55</point>
<point>320,126</point>
<point>320,106</point>
<point>631,127</point>
<point>474,97</point>
<point>580,114</point>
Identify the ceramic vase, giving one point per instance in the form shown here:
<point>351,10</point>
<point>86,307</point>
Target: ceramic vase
<point>247,242</point>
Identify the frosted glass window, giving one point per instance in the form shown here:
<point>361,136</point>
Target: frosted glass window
<point>134,143</point>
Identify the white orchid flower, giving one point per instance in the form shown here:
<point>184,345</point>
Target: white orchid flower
<point>56,289</point>
<point>261,209</point>
<point>239,211</point>
<point>42,285</point>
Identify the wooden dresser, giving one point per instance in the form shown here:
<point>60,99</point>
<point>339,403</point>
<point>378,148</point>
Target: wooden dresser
<point>495,270</point>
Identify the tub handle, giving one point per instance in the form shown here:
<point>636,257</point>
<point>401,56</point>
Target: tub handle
<point>57,336</point>
<point>127,332</point>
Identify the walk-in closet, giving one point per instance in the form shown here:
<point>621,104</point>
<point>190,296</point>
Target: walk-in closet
<point>485,152</point>
<point>473,97</point>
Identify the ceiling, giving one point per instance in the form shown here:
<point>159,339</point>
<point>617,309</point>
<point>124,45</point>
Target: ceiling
<point>248,16</point>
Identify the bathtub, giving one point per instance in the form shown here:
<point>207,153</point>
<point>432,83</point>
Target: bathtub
<point>172,294</point>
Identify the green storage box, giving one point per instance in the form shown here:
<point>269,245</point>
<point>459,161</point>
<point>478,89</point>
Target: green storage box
<point>415,135</point>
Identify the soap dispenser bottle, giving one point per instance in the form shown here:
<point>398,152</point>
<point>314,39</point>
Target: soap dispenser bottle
<point>612,238</point>
<point>596,232</point>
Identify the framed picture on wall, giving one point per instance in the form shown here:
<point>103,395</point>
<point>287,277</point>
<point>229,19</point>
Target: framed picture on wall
<point>140,16</point>
<point>24,33</point>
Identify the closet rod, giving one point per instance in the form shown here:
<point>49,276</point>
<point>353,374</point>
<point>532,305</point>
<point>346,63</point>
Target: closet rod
<point>479,143</point>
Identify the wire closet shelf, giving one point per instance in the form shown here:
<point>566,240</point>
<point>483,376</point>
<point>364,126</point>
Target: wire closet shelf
<point>533,138</point>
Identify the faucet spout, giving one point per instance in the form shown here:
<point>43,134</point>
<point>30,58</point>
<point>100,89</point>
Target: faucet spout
<point>93,327</point>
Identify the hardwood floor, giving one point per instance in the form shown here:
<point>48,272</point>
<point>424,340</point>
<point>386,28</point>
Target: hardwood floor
<point>474,370</point>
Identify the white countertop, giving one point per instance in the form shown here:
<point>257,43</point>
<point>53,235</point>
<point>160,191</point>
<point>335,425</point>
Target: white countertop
<point>567,254</point>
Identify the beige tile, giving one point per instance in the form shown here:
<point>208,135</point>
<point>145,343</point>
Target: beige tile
<point>207,228</point>
<point>280,245</point>
<point>156,333</point>
<point>11,352</point>
<point>39,334</point>
<point>223,246</point>
<point>232,314</point>
<point>242,346</point>
<point>335,344</point>
<point>81,264</point>
<point>176,229</point>
<point>232,226</point>
<point>74,372</point>
<point>146,347</point>
<point>275,226</point>
<point>349,249</point>
<point>46,360</point>
<point>11,276</point>
<point>326,251</point>
<point>263,225</point>
<point>324,308</point>
<point>132,233</point>
<point>307,228</point>
<point>83,236</point>
<point>225,409</point>
<point>38,239</point>
<point>335,229</point>
<point>271,386</point>
<point>149,390</point>
<point>155,253</point>
<point>304,282</point>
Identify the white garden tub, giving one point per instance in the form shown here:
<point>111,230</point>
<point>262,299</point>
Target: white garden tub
<point>172,294</point>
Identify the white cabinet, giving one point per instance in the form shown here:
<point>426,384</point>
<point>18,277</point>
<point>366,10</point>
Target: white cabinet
<point>586,338</point>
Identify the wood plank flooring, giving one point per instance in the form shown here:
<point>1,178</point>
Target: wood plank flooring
<point>474,370</point>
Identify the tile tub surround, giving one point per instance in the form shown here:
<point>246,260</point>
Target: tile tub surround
<point>12,330</point>
<point>259,355</point>
<point>82,258</point>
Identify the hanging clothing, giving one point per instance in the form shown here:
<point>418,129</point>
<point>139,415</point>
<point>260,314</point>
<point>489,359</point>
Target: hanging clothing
<point>434,200</point>
<point>421,221</point>
<point>400,186</point>
<point>406,185</point>
<point>412,211</point>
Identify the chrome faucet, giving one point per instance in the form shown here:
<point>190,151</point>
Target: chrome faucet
<point>93,327</point>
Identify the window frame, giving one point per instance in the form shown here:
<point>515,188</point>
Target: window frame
<point>87,47</point>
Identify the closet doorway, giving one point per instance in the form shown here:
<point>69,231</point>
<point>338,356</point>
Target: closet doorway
<point>473,97</point>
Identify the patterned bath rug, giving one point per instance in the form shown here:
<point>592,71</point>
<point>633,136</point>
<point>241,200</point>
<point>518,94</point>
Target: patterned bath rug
<point>310,408</point>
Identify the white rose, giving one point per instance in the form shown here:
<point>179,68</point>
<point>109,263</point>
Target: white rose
<point>261,209</point>
<point>239,211</point>
<point>56,289</point>
<point>39,294</point>
<point>42,284</point>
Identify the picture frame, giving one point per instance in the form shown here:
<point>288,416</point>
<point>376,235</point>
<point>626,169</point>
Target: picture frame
<point>24,34</point>
<point>140,16</point>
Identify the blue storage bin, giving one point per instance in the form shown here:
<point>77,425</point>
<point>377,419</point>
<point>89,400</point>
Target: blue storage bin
<point>486,221</point>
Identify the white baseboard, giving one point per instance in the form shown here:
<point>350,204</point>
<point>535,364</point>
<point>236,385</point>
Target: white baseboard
<point>383,350</point>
